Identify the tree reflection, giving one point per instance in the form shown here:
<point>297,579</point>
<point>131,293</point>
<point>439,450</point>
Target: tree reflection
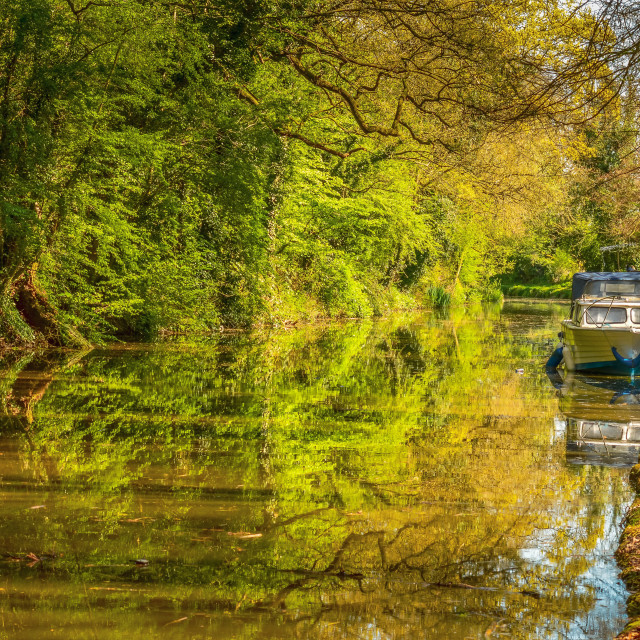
<point>394,478</point>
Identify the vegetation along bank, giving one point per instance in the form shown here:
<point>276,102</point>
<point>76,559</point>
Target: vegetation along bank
<point>628,557</point>
<point>180,165</point>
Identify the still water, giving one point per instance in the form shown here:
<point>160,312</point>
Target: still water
<point>375,480</point>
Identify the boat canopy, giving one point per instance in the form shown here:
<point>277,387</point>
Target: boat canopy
<point>606,283</point>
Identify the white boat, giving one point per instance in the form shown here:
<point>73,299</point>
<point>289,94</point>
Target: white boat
<point>602,332</point>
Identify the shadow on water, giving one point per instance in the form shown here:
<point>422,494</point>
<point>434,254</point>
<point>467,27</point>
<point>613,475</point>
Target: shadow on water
<point>396,479</point>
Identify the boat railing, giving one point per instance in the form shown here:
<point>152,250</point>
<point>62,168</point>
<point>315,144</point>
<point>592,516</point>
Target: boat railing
<point>596,301</point>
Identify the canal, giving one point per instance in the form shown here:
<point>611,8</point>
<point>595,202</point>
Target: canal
<point>419,477</point>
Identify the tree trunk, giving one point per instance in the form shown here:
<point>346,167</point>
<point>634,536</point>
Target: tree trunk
<point>28,318</point>
<point>32,304</point>
<point>13,329</point>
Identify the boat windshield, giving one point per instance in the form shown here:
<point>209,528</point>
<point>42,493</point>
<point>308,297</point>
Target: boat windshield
<point>603,288</point>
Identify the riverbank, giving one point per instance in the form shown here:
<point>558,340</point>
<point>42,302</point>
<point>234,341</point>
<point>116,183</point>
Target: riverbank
<point>628,557</point>
<point>290,308</point>
<point>537,290</point>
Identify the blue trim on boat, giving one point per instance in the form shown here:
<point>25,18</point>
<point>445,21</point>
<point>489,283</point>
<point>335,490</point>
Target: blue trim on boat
<point>608,366</point>
<point>632,363</point>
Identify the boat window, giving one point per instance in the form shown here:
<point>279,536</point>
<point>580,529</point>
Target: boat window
<point>635,316</point>
<point>601,431</point>
<point>620,287</point>
<point>594,288</point>
<point>603,288</point>
<point>633,434</point>
<point>605,315</point>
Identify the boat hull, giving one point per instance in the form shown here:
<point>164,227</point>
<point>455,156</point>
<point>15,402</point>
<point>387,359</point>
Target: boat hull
<point>590,348</point>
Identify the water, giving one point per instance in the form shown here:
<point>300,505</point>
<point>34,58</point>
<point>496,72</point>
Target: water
<point>376,480</point>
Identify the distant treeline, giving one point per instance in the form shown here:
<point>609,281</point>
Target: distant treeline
<point>178,165</point>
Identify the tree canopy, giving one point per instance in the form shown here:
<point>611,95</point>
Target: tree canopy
<point>181,165</point>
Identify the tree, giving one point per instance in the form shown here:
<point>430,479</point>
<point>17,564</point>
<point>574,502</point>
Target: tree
<point>149,153</point>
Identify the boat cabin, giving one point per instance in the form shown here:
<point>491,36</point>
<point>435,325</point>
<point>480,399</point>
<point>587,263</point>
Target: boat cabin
<point>606,299</point>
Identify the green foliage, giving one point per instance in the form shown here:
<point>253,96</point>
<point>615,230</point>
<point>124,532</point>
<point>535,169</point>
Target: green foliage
<point>438,297</point>
<point>593,227</point>
<point>541,290</point>
<point>346,230</point>
<point>166,168</point>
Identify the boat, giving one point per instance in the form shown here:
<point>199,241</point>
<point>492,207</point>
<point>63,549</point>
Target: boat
<point>602,332</point>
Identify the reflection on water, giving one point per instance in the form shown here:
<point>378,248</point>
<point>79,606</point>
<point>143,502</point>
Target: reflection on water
<point>601,418</point>
<point>396,479</point>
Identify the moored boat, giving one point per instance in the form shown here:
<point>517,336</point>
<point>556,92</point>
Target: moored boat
<point>602,332</point>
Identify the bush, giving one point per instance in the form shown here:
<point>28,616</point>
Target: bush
<point>438,297</point>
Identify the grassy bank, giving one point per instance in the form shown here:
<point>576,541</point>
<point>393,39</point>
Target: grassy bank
<point>560,290</point>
